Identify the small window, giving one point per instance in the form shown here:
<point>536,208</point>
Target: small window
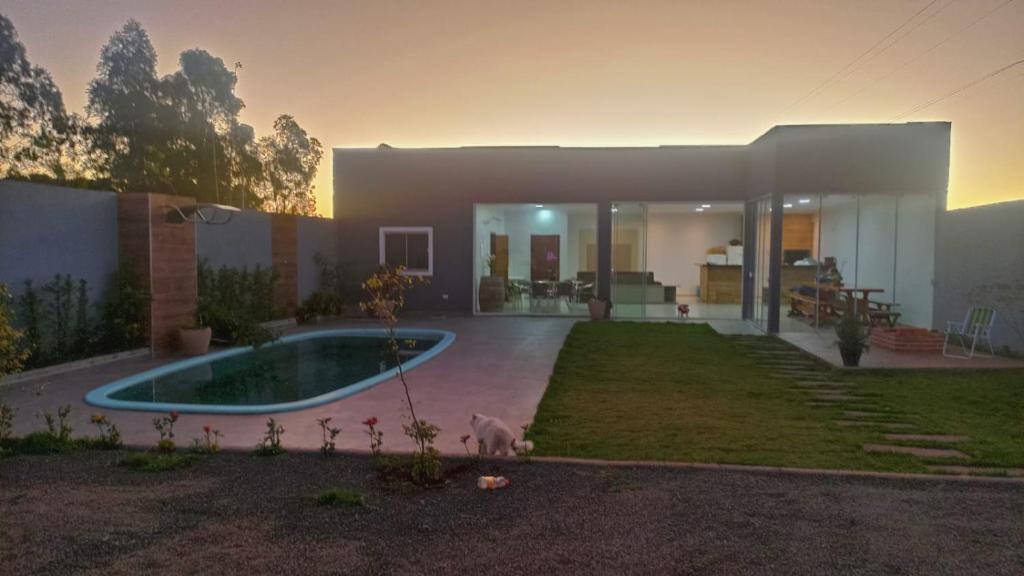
<point>412,247</point>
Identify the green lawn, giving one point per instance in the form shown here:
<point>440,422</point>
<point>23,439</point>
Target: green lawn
<point>643,391</point>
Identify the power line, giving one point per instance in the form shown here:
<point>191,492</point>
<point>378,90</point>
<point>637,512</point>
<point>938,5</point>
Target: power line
<point>921,55</point>
<point>831,78</point>
<point>967,86</point>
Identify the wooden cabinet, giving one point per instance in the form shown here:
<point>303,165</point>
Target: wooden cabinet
<point>721,284</point>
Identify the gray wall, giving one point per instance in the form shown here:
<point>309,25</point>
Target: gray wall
<point>47,230</point>
<point>242,242</point>
<point>979,260</point>
<point>315,235</point>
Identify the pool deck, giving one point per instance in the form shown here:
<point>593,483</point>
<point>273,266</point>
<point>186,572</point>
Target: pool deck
<point>496,366</point>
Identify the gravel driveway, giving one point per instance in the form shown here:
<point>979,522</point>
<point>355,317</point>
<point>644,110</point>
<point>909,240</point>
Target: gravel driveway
<point>238,514</point>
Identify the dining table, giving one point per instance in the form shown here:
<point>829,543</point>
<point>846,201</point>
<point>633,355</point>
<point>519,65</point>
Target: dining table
<point>858,301</point>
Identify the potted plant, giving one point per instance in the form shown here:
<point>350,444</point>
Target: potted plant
<point>852,339</point>
<point>492,288</point>
<point>599,308</point>
<point>195,341</point>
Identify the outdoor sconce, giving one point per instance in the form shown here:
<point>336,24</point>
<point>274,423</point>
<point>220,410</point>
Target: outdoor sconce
<point>215,214</point>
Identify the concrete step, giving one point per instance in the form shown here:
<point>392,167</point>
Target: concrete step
<point>863,424</point>
<point>915,451</point>
<point>927,438</point>
<point>977,470</point>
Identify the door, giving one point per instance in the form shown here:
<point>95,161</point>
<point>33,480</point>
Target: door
<point>544,257</point>
<point>499,247</point>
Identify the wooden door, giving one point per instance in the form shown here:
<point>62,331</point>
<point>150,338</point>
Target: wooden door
<point>544,257</point>
<point>499,247</point>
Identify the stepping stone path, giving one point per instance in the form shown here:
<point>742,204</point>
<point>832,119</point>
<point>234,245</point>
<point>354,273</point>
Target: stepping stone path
<point>824,388</point>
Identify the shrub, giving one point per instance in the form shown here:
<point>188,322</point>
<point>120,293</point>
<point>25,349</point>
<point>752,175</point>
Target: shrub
<point>270,445</point>
<point>235,302</point>
<point>57,324</point>
<point>340,497</point>
<point>335,287</point>
<point>12,353</point>
<point>158,461</point>
<point>426,461</point>
<point>376,436</point>
<point>125,310</point>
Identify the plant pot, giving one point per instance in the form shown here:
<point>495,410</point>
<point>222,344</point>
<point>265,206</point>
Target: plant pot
<point>597,308</point>
<point>492,293</point>
<point>851,358</point>
<point>195,341</point>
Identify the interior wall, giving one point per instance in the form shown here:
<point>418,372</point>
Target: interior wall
<point>678,242</point>
<point>575,229</point>
<point>838,234</point>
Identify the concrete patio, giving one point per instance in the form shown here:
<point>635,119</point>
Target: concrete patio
<point>496,366</point>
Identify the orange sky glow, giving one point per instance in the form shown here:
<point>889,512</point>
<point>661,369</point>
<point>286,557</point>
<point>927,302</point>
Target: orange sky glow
<point>590,73</point>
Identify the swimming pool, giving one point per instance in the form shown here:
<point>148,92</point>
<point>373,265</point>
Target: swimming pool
<point>296,372</point>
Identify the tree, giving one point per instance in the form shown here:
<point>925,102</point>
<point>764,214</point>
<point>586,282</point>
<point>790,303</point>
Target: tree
<point>37,135</point>
<point>289,158</point>
<point>132,114</point>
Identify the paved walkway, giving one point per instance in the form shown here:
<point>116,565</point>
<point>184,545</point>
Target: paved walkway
<point>822,344</point>
<point>497,366</point>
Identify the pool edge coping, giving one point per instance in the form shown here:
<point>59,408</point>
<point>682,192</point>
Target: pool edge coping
<point>99,396</point>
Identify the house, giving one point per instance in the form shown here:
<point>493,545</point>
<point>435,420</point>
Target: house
<point>730,231</point>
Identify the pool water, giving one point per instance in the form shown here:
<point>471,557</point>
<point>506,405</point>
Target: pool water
<point>296,372</point>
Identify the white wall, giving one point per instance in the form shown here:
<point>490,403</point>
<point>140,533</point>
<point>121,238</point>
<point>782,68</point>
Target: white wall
<point>677,242</point>
<point>915,260</point>
<point>838,234</point>
<point>877,245</point>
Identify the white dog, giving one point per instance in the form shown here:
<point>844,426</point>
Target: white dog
<point>494,437</point>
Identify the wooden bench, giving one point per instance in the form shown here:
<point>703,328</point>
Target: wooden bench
<point>802,305</point>
<point>882,311</point>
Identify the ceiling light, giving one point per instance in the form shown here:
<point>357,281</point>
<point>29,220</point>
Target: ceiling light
<point>787,205</point>
<point>700,209</point>
<point>805,200</point>
<point>614,209</point>
<point>538,205</point>
<point>705,205</point>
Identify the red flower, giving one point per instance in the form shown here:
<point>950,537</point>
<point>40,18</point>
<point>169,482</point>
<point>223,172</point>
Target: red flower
<point>371,421</point>
<point>206,428</point>
<point>174,416</point>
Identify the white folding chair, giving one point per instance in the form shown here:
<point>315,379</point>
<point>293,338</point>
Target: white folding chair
<point>976,326</point>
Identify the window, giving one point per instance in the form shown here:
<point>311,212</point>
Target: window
<point>412,247</point>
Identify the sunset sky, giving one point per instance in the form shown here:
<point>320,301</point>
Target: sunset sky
<point>584,73</point>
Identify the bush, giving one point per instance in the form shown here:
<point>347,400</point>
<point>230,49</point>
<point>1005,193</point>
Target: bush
<point>235,302</point>
<point>336,286</point>
<point>125,311</point>
<point>340,497</point>
<point>12,354</point>
<point>158,461</point>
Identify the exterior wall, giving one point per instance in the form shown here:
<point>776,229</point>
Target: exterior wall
<point>979,260</point>
<point>48,230</point>
<point>242,242</point>
<point>165,253</point>
<point>315,236</point>
<point>439,187</point>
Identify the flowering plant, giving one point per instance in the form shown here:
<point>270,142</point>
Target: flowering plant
<point>209,442</point>
<point>109,435</point>
<point>270,445</point>
<point>165,427</point>
<point>376,436</point>
<point>329,434</point>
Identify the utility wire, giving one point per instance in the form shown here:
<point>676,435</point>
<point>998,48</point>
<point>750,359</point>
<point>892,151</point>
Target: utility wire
<point>921,55</point>
<point>967,86</point>
<point>852,63</point>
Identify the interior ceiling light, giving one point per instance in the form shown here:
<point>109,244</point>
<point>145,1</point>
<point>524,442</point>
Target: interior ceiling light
<point>705,205</point>
<point>787,205</point>
<point>700,209</point>
<point>805,200</point>
<point>538,205</point>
